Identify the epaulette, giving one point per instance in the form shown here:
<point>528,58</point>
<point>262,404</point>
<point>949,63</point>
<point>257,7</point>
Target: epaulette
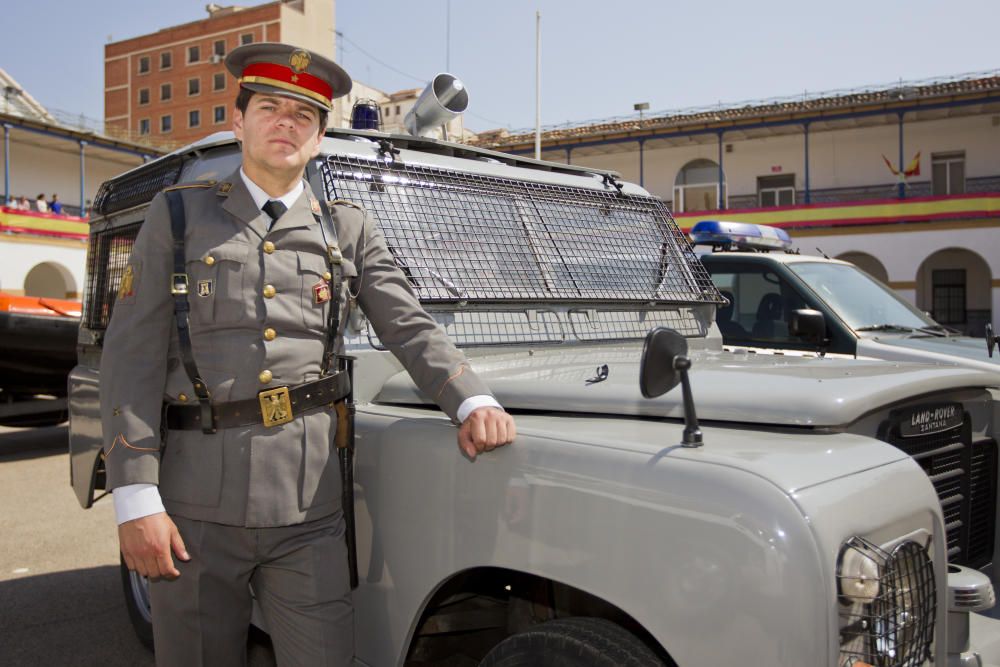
<point>192,184</point>
<point>345,202</point>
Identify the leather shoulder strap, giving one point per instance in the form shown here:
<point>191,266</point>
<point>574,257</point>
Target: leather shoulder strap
<point>179,290</point>
<point>334,260</point>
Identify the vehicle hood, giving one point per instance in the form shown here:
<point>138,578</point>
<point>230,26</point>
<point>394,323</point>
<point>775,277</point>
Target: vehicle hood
<point>790,459</point>
<point>731,386</point>
<point>953,349</point>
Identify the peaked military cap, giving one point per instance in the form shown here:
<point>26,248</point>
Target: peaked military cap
<point>286,70</point>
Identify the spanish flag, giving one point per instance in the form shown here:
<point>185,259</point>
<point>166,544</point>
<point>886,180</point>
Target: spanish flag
<point>912,169</point>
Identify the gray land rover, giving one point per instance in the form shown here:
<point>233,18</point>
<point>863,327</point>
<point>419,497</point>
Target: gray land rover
<point>822,512</point>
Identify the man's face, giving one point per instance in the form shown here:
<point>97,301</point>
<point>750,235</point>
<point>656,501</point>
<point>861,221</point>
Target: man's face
<point>279,135</point>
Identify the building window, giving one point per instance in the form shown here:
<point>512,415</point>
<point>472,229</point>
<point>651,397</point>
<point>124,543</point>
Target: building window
<point>948,293</point>
<point>397,109</point>
<point>166,92</point>
<point>194,118</point>
<point>776,190</point>
<point>194,86</point>
<point>219,47</point>
<point>697,187</point>
<point>246,39</point>
<point>166,60</point>
<point>144,65</point>
<point>219,81</point>
<point>220,114</point>
<point>194,54</point>
<point>143,96</point>
<point>948,173</point>
<point>385,111</point>
<point>166,124</point>
<point>143,126</point>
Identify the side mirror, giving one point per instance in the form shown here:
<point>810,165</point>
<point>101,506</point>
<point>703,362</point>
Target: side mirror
<point>808,324</point>
<point>991,340</point>
<point>657,373</point>
<point>665,364</point>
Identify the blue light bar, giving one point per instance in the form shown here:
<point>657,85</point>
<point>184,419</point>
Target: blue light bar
<point>740,234</point>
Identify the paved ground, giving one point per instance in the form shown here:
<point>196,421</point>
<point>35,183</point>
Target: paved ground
<point>60,589</point>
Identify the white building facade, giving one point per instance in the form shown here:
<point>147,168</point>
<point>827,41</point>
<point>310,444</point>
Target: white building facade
<point>903,180</point>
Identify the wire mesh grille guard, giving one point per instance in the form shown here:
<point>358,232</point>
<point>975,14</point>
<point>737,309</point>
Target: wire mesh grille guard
<point>472,237</point>
<point>894,626</point>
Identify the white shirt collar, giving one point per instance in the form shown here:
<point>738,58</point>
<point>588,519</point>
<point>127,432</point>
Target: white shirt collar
<point>260,197</point>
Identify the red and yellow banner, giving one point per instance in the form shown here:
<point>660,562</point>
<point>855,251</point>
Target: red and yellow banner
<point>13,220</point>
<point>886,211</point>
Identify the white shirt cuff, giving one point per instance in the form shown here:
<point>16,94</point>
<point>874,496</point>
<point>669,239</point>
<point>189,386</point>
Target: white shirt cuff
<point>134,501</point>
<point>474,403</point>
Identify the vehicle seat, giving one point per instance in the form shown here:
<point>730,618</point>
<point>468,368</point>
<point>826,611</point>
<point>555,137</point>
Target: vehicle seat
<point>770,322</point>
<point>724,318</point>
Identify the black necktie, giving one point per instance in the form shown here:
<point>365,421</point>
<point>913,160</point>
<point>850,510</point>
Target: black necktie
<point>275,209</point>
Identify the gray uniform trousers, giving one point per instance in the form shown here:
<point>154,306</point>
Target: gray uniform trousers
<point>255,506</point>
<point>298,574</point>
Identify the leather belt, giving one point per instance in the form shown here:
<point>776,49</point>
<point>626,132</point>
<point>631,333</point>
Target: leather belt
<point>271,407</point>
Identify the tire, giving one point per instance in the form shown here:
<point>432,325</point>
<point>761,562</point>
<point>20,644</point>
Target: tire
<point>136,590</point>
<point>572,642</point>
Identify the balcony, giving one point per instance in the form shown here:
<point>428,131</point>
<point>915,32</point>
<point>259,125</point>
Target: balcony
<point>869,205</point>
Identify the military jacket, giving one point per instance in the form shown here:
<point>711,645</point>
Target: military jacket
<point>256,323</point>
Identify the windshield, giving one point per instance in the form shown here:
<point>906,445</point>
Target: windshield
<point>860,300</point>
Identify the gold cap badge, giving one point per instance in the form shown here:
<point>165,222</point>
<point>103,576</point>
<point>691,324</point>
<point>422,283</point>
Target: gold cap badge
<point>299,60</point>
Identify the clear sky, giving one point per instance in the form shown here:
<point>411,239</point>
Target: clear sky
<point>599,57</point>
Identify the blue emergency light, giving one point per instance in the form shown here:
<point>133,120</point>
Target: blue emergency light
<point>366,115</point>
<point>743,235</point>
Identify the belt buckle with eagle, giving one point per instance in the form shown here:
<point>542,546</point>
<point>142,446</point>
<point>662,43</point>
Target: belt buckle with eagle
<point>275,406</point>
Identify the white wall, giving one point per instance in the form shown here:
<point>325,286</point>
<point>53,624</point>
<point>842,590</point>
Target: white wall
<point>20,253</point>
<point>312,28</point>
<point>850,157</point>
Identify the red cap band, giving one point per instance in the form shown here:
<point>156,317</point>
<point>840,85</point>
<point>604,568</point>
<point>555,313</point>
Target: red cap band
<point>287,75</point>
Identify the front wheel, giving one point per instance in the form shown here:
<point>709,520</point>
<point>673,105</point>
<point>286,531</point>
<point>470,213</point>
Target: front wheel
<point>136,590</point>
<point>572,642</point>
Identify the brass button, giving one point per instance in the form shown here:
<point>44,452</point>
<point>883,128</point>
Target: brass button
<point>268,247</point>
<point>209,260</point>
<point>327,276</point>
<point>270,334</point>
<point>182,398</point>
<point>269,291</point>
<point>265,377</point>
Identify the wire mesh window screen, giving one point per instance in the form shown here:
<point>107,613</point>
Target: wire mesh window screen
<point>462,236</point>
<point>494,327</point>
<point>630,324</point>
<point>137,187</point>
<point>106,260</point>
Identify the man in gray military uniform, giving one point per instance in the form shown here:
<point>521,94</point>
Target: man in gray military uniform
<point>254,498</point>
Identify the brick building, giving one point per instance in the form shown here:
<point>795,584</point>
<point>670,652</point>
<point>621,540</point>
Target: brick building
<point>170,87</point>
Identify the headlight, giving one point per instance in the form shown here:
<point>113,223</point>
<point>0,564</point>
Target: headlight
<point>888,604</point>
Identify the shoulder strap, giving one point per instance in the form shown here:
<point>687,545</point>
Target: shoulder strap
<point>334,260</point>
<point>179,290</point>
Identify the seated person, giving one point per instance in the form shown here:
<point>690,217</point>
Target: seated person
<point>770,322</point>
<point>724,318</point>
